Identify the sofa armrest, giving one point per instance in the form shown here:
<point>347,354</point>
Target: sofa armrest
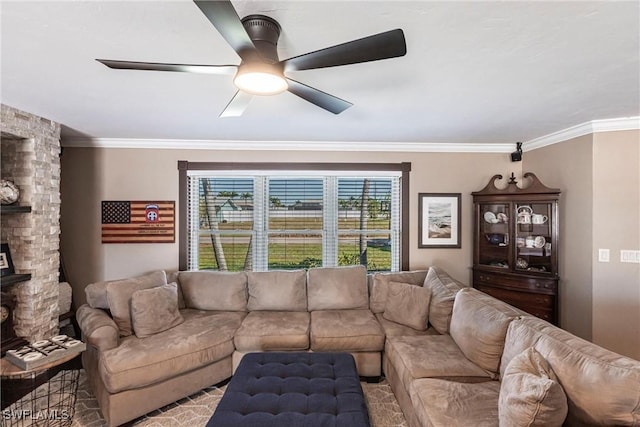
<point>98,329</point>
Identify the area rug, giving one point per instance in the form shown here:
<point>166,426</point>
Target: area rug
<point>195,410</point>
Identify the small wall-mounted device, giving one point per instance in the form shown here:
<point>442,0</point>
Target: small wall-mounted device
<point>516,156</point>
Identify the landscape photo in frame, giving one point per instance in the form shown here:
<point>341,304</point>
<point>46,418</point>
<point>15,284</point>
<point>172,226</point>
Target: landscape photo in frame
<point>439,220</point>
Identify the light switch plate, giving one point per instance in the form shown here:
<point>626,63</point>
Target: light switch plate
<point>603,255</point>
<point>630,256</point>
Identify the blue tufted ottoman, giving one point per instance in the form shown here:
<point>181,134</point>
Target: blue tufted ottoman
<point>293,389</point>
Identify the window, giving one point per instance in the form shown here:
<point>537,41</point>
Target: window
<point>287,216</point>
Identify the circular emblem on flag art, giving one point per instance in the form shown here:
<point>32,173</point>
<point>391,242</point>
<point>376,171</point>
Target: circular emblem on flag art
<point>152,213</point>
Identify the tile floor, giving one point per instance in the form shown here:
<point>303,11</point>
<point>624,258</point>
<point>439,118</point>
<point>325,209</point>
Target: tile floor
<point>195,410</point>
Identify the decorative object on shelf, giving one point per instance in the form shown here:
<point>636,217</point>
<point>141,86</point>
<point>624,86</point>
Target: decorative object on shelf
<point>9,192</point>
<point>6,264</point>
<point>439,220</point>
<point>522,263</point>
<point>496,238</point>
<point>8,336</point>
<point>524,215</point>
<point>539,219</point>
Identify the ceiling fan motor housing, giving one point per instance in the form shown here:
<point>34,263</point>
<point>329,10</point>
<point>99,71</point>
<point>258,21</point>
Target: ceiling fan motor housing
<point>264,32</point>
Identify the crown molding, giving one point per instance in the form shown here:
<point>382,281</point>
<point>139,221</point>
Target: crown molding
<point>594,126</point>
<point>187,144</point>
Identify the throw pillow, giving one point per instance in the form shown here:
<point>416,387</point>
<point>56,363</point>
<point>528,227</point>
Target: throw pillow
<point>408,305</point>
<point>155,310</point>
<point>119,297</point>
<point>530,394</point>
<point>443,293</point>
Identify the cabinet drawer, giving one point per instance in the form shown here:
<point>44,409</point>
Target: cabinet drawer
<point>539,305</point>
<point>532,284</point>
<point>523,298</point>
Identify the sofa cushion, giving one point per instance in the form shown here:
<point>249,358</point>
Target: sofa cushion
<point>277,290</point>
<point>339,288</point>
<point>393,329</point>
<point>273,330</point>
<point>379,283</point>
<point>602,387</point>
<point>173,277</point>
<point>119,297</point>
<point>408,305</point>
<point>430,356</point>
<point>203,338</point>
<point>345,330</point>
<point>530,394</point>
<point>155,310</point>
<point>479,325</point>
<point>214,290</point>
<point>448,403</point>
<point>443,292</point>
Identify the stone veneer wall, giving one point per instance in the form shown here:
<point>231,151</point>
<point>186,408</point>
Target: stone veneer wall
<point>30,157</point>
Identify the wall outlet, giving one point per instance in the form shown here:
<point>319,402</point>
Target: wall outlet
<point>630,256</point>
<point>603,255</point>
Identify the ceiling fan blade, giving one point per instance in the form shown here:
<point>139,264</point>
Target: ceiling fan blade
<point>390,44</point>
<point>226,20</point>
<point>237,105</point>
<point>318,97</point>
<point>156,66</point>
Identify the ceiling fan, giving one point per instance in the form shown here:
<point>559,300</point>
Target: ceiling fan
<point>255,40</point>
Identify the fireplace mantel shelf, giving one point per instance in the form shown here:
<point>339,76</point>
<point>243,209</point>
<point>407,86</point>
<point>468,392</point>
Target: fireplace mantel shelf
<point>14,208</point>
<point>14,278</point>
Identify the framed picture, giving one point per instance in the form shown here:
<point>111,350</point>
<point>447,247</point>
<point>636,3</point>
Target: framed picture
<point>439,220</point>
<point>6,265</point>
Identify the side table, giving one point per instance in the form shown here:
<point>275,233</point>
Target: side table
<point>44,396</point>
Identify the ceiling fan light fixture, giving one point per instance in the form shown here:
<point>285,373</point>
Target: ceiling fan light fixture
<point>260,79</point>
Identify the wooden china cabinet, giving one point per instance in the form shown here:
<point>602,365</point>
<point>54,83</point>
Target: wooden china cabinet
<point>515,250</point>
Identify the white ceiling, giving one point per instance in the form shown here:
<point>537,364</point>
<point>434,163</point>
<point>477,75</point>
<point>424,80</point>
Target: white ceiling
<point>475,72</point>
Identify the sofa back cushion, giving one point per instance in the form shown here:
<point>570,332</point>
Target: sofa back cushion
<point>602,387</point>
<point>119,294</point>
<point>277,290</point>
<point>214,290</point>
<point>379,285</point>
<point>337,288</point>
<point>443,293</point>
<point>479,325</point>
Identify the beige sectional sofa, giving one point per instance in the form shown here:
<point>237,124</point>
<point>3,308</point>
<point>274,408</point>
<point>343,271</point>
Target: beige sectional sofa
<point>498,366</point>
<point>444,351</point>
<point>218,317</point>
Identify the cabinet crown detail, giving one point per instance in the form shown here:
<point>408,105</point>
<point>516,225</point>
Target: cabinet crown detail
<point>534,186</point>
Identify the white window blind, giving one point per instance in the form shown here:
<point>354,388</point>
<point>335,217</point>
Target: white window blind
<point>293,220</point>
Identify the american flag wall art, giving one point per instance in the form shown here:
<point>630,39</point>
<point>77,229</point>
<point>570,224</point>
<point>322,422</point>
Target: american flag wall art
<point>138,221</point>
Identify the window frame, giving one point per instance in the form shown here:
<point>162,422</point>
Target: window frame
<point>183,197</point>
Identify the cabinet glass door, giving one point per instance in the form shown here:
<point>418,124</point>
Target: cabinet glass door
<point>533,237</point>
<point>493,239</point>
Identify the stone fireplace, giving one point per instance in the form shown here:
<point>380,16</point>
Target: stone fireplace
<point>30,157</point>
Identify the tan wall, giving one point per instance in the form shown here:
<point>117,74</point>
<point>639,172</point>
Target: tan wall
<point>92,175</point>
<point>616,226</point>
<point>599,176</point>
<point>568,166</point>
